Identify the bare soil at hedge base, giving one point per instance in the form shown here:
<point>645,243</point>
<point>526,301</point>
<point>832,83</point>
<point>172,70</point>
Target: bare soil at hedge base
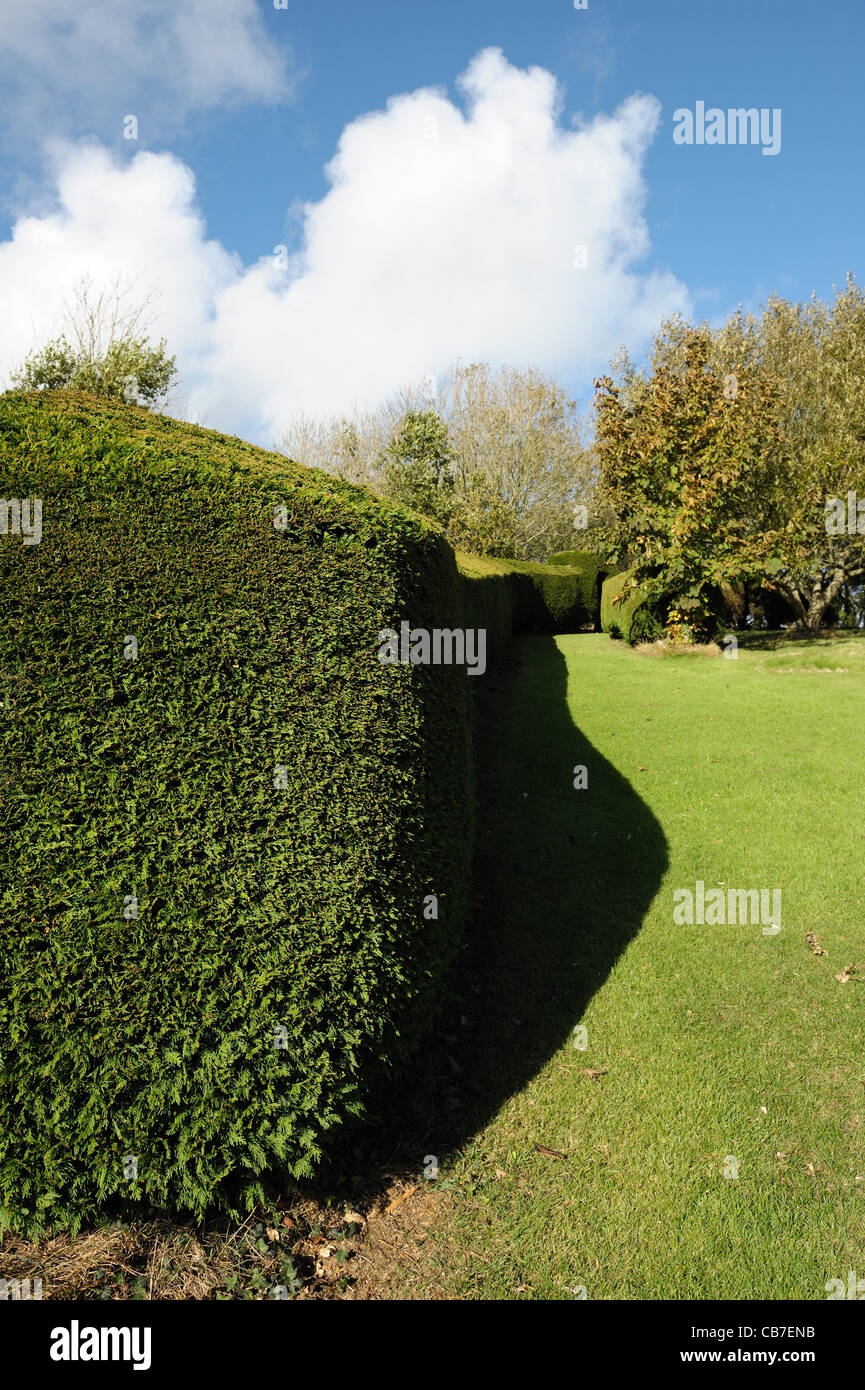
<point>160,1259</point>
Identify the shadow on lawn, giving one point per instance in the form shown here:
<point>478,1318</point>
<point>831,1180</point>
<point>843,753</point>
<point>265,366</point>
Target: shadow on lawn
<point>562,881</point>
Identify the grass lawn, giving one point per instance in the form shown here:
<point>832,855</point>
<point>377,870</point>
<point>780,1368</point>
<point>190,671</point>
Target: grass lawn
<point>713,1049</point>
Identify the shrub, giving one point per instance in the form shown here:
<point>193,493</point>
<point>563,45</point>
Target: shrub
<point>633,618</point>
<point>130,369</point>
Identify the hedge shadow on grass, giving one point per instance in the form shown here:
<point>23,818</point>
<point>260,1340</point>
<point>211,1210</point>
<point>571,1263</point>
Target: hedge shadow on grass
<point>562,881</point>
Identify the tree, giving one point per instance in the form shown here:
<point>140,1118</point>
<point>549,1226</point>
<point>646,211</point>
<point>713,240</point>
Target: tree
<point>103,348</point>
<point>495,456</point>
<point>815,540</point>
<point>350,448</point>
<point>687,458</point>
<point>521,469</point>
<point>775,403</point>
<point>418,465</point>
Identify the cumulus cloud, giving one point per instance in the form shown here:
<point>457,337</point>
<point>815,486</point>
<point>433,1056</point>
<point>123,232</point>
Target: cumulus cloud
<point>449,230</point>
<point>137,224</point>
<point>80,68</point>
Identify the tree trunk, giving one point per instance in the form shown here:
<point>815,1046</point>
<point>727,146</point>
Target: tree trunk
<point>810,608</point>
<point>734,595</point>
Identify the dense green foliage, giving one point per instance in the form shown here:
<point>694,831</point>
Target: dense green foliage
<point>265,900</point>
<point>627,611</point>
<point>129,369</point>
<point>222,815</point>
<point>594,570</point>
<point>735,461</point>
<point>418,466</point>
<point>682,455</point>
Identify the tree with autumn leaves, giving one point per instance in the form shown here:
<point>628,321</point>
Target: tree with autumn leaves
<point>721,461</point>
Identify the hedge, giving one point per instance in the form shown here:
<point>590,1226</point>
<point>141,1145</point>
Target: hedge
<point>633,618</point>
<point>593,571</point>
<point>224,820</point>
<point>541,598</point>
<point>229,835</point>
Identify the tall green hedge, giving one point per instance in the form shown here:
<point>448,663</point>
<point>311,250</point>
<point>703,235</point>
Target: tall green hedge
<point>224,820</point>
<point>232,833</point>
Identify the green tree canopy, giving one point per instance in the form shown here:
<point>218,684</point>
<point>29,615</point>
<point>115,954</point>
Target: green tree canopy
<point>133,371</point>
<point>418,463</point>
<point>104,349</point>
<point>687,457</point>
<point>722,459</point>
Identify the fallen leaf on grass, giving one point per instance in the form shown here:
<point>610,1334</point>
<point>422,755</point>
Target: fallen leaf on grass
<point>846,974</point>
<point>548,1153</point>
<point>588,1071</point>
<point>813,943</point>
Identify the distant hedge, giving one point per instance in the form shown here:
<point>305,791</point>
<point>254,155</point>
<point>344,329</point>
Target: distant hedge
<point>236,845</point>
<point>593,570</point>
<point>574,558</point>
<point>633,618</point>
<point>542,597</point>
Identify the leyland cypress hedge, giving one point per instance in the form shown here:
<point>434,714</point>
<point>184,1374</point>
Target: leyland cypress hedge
<point>593,570</point>
<point>235,844</point>
<point>518,595</point>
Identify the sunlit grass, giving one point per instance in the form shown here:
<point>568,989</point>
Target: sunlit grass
<point>718,1049</point>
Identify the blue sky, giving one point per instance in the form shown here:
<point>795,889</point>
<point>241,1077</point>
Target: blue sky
<point>254,114</point>
<point>726,220</point>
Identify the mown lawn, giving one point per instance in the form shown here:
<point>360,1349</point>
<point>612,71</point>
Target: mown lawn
<point>708,1044</point>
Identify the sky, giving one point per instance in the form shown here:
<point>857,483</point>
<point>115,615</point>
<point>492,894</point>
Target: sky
<point>331,199</point>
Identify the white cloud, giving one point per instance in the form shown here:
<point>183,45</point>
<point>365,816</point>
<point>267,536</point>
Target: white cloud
<point>71,69</point>
<point>136,223</point>
<point>447,232</point>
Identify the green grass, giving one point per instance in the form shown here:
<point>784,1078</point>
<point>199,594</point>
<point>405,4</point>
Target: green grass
<point>712,1041</point>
